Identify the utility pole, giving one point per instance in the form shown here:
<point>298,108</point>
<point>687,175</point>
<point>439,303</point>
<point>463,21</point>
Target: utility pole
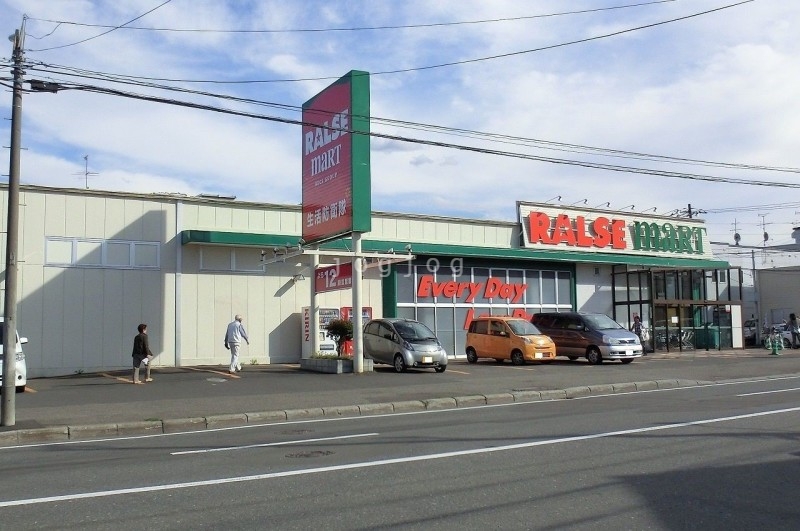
<point>689,210</point>
<point>8,417</point>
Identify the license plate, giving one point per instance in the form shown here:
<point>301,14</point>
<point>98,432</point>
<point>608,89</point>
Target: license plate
<point>427,359</point>
<point>629,353</point>
<point>537,355</point>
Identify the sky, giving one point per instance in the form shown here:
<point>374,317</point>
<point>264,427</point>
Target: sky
<point>696,88</point>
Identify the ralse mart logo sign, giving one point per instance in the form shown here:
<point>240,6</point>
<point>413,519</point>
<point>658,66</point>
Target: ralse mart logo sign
<point>607,233</point>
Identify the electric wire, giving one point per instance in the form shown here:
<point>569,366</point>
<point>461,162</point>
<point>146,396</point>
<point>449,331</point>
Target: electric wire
<point>455,63</point>
<point>601,166</point>
<point>105,32</point>
<point>458,132</point>
<point>349,29</point>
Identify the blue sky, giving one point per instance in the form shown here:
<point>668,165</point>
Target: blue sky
<point>717,87</point>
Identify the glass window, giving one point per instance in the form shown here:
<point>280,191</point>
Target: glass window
<point>532,295</point>
<point>548,287</point>
<point>88,253</point>
<point>735,277</point>
<point>405,284</point>
<point>620,288</point>
<point>215,259</point>
<point>516,277</point>
<point>146,255</point>
<point>644,285</point>
<point>659,284</point>
<point>711,286</point>
<point>446,329</point>
<point>633,286</point>
<point>119,254</point>
<point>59,252</point>
<point>564,286</point>
<point>669,278</point>
<point>427,316</point>
<point>481,276</point>
<point>684,285</point>
<point>407,312</point>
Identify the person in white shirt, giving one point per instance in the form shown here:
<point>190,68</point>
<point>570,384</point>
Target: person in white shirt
<point>233,339</point>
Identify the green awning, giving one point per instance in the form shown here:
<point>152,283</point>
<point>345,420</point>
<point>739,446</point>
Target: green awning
<point>243,239</point>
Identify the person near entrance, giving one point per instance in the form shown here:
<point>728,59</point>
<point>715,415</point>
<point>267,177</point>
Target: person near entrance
<point>794,326</point>
<point>233,339</point>
<point>636,328</point>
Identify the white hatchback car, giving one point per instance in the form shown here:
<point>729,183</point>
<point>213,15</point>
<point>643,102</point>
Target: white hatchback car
<point>20,365</point>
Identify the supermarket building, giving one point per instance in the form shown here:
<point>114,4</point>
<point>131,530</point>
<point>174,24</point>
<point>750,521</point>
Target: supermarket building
<point>92,265</point>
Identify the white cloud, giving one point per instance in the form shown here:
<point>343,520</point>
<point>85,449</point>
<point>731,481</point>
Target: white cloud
<point>717,87</point>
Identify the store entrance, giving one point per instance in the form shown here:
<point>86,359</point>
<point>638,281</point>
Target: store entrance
<point>680,310</point>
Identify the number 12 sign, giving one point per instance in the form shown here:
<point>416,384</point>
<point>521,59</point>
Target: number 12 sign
<point>332,278</point>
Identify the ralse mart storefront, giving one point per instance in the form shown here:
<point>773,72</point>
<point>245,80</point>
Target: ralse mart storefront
<point>621,264</point>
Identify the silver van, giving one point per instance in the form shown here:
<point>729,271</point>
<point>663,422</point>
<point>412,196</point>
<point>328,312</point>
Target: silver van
<point>403,343</point>
<point>595,336</point>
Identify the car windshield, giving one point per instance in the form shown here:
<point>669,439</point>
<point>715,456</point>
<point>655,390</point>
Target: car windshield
<point>599,321</point>
<point>413,331</point>
<point>522,327</point>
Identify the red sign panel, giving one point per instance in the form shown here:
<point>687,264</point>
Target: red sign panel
<point>332,278</point>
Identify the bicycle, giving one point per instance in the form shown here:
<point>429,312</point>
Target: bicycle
<point>774,341</point>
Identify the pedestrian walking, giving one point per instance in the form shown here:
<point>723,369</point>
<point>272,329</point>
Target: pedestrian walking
<point>141,355</point>
<point>233,339</point>
<point>794,326</point>
<point>636,327</point>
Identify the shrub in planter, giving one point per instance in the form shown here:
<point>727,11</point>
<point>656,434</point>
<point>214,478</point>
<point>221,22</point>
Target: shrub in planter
<point>340,331</point>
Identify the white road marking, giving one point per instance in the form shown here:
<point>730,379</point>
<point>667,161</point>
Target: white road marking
<point>367,417</point>
<point>770,392</point>
<point>380,462</point>
<point>263,445</point>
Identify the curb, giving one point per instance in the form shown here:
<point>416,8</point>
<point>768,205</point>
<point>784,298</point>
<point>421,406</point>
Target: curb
<point>60,434</point>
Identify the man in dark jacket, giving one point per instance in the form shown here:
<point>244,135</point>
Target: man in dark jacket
<point>141,354</point>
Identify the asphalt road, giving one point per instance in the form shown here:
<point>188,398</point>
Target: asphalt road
<point>716,456</point>
<point>200,392</point>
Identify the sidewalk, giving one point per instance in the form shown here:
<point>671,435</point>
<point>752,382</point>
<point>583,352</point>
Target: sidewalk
<point>195,398</point>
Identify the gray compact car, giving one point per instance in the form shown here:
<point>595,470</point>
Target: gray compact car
<point>595,336</point>
<point>403,343</point>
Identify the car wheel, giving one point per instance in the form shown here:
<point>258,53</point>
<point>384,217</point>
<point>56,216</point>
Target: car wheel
<point>20,389</point>
<point>626,361</point>
<point>472,356</point>
<point>594,356</point>
<point>517,358</point>
<point>399,363</point>
<point>787,343</point>
<point>441,368</point>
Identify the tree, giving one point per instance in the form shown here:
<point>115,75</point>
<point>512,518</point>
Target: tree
<point>340,331</point>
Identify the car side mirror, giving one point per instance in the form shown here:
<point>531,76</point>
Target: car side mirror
<point>389,336</point>
<point>23,340</point>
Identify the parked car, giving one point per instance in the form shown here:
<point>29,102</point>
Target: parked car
<point>507,338</point>
<point>403,343</point>
<point>595,336</point>
<point>21,368</point>
<point>749,328</point>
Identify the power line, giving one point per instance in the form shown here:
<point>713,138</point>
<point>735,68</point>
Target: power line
<point>105,32</point>
<point>608,167</point>
<point>459,132</point>
<point>452,63</point>
<point>350,29</point>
